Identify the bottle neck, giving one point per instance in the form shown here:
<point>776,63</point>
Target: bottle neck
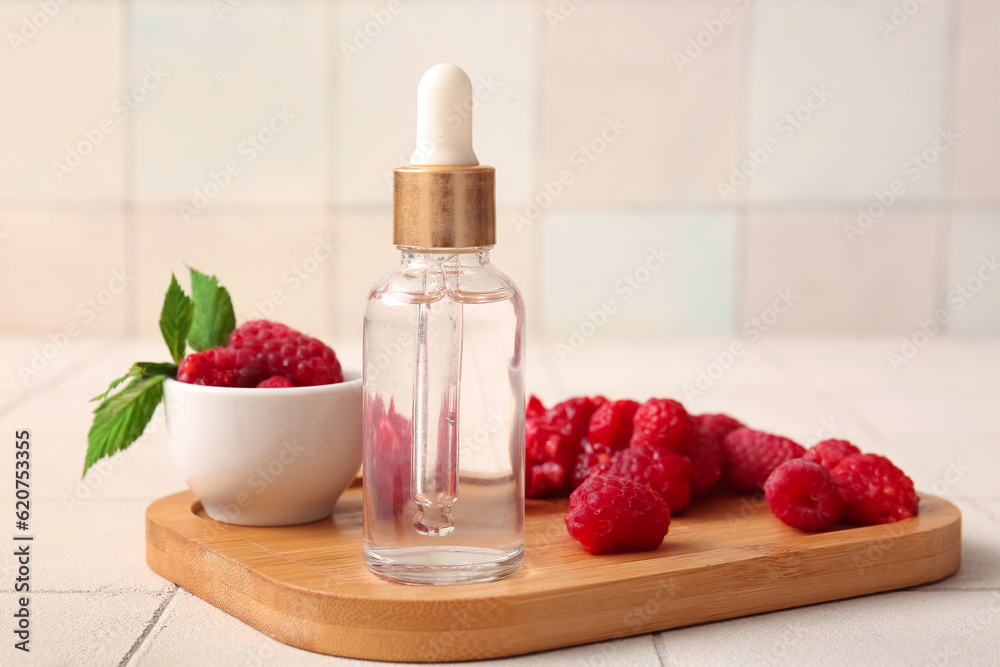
<point>454,256</point>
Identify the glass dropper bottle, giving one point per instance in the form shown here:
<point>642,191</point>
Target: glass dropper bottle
<point>444,367</point>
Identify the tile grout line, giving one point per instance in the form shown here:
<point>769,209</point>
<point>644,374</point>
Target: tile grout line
<point>948,170</point>
<point>845,205</point>
<point>332,206</point>
<point>536,269</point>
<point>740,208</point>
<point>656,647</point>
<point>127,658</point>
<point>130,223</point>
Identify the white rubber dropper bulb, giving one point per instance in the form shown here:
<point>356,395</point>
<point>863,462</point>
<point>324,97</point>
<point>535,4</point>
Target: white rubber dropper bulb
<point>444,118</point>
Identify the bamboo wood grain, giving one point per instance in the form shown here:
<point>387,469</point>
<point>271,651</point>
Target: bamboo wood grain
<point>727,556</point>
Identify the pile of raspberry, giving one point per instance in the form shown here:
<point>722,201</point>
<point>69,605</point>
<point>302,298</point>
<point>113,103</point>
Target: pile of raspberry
<point>263,354</point>
<point>627,467</point>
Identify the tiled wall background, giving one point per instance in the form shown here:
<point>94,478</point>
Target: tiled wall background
<point>114,115</point>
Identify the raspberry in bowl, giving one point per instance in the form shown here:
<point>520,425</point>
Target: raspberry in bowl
<point>266,430</point>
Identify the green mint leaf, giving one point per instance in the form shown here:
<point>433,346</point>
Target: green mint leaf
<point>120,419</point>
<point>175,319</point>
<point>214,318</point>
<point>145,369</point>
<point>140,370</point>
<point>111,387</point>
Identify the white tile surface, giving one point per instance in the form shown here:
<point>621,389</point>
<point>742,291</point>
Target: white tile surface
<point>99,546</point>
<point>371,255</point>
<point>377,88</point>
<point>193,632</point>
<point>668,273</point>
<point>61,82</point>
<point>973,273</point>
<point>591,73</point>
<point>23,375</point>
<point>859,368</point>
<point>896,104</point>
<point>92,629</point>
<point>885,279</point>
<point>951,465</point>
<point>903,628</point>
<point>932,417</point>
<point>275,266</point>
<point>977,101</point>
<point>53,287</point>
<point>225,77</point>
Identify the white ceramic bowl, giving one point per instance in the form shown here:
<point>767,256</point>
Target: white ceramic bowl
<point>266,457</point>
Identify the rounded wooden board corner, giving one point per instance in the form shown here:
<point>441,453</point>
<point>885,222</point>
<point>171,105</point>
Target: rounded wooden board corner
<point>728,556</point>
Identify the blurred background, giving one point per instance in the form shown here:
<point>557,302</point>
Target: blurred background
<point>680,167</point>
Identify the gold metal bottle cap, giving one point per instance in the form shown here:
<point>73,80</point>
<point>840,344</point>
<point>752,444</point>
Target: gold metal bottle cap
<point>444,206</point>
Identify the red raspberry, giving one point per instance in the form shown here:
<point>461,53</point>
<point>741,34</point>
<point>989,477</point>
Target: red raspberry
<point>389,433</point>
<point>283,351</point>
<point>534,409</point>
<point>610,514</point>
<point>708,457</point>
<point>550,458</point>
<point>611,426</point>
<point>553,444</point>
<point>874,491</point>
<point>275,382</point>
<point>545,480</point>
<point>572,417</point>
<point>664,423</point>
<point>830,452</point>
<point>545,443</point>
<point>220,367</point>
<point>663,471</point>
<point>719,425</point>
<point>752,455</point>
<point>803,495</point>
<point>586,464</point>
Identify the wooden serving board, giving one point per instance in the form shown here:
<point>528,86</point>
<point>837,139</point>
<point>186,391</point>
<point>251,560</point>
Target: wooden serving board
<point>727,556</point>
